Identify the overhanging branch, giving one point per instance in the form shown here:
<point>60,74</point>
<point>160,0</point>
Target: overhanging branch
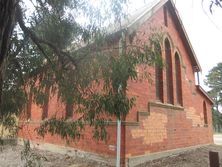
<point>38,41</point>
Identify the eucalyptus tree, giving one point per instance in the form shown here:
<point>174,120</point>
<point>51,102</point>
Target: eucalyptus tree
<point>214,82</point>
<point>215,3</point>
<point>62,47</point>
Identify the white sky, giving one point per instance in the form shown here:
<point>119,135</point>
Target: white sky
<point>204,30</point>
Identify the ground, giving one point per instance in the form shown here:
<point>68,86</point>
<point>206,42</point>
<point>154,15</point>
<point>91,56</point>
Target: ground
<point>195,158</point>
<point>10,156</point>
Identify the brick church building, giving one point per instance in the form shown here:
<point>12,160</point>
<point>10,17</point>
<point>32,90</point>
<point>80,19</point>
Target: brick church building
<point>171,112</point>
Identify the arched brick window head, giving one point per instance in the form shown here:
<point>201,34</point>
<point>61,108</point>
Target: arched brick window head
<point>205,113</point>
<point>158,73</point>
<point>169,72</point>
<point>178,80</point>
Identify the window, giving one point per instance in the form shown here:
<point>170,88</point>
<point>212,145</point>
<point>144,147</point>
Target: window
<point>165,16</point>
<point>69,110</point>
<point>46,103</point>
<point>169,72</point>
<point>205,113</point>
<point>178,79</point>
<point>29,105</point>
<point>159,73</point>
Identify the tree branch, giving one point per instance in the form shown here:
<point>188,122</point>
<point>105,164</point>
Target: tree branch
<point>38,41</point>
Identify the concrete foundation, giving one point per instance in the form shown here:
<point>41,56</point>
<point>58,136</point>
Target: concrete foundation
<point>136,160</point>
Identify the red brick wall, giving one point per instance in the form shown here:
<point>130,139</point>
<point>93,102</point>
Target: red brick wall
<point>56,108</point>
<point>163,126</point>
<point>168,126</point>
<point>86,142</point>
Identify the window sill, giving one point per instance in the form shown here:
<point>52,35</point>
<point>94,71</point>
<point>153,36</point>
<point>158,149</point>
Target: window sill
<point>164,105</point>
<point>206,125</point>
<point>200,126</point>
<point>31,122</point>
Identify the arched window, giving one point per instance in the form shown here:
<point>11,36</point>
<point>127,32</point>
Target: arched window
<point>205,113</point>
<point>45,106</point>
<point>69,110</point>
<point>178,79</point>
<point>158,73</point>
<point>29,105</point>
<point>169,72</point>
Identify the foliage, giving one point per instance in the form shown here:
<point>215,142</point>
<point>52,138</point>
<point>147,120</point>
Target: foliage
<point>97,107</point>
<point>215,3</point>
<point>217,120</point>
<point>29,157</point>
<point>61,48</point>
<point>214,82</point>
<point>38,53</point>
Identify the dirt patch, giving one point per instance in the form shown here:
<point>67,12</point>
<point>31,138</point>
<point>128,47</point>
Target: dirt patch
<point>10,156</point>
<point>194,158</point>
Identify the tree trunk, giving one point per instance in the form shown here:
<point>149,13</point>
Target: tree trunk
<point>1,87</point>
<point>7,23</point>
